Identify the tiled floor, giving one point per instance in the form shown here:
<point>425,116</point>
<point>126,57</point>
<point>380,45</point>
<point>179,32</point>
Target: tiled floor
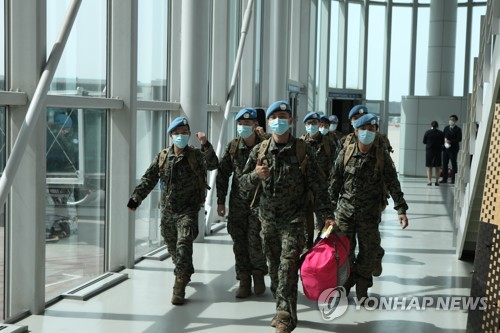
<point>420,265</point>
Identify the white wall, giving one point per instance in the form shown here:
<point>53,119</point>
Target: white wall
<point>417,113</point>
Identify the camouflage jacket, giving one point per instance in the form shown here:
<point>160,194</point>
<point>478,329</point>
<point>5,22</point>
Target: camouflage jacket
<point>356,187</point>
<point>284,192</point>
<point>232,163</point>
<point>180,190</point>
<point>325,156</point>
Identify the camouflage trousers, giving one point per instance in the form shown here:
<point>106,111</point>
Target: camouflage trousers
<point>313,222</point>
<point>179,232</point>
<point>362,231</point>
<point>283,244</point>
<point>247,244</point>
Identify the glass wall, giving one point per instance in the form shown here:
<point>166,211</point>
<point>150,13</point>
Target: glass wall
<point>354,47</point>
<point>3,154</point>
<point>234,37</point>
<point>375,54</point>
<point>458,87</point>
<point>152,50</point>
<point>82,68</point>
<point>399,81</point>
<point>258,51</point>
<point>400,49</point>
<point>150,141</point>
<point>76,152</point>
<point>2,45</point>
<point>76,192</point>
<point>333,77</point>
<point>422,51</point>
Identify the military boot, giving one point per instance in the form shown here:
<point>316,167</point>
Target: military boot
<point>179,290</point>
<point>259,286</point>
<point>362,296</point>
<point>283,322</point>
<point>348,285</point>
<point>245,288</point>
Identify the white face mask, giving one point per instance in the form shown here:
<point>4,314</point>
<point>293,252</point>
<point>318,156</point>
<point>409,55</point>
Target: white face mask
<point>451,122</point>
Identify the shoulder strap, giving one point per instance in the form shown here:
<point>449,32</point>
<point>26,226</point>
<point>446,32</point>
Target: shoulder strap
<point>349,150</point>
<point>233,149</point>
<point>264,145</point>
<point>349,145</point>
<point>348,139</point>
<point>326,144</point>
<point>380,146</point>
<point>163,158</point>
<point>300,151</point>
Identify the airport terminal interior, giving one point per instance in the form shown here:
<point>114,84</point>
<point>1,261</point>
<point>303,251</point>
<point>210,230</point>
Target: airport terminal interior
<point>89,87</point>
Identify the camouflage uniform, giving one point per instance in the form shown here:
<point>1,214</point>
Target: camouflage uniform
<point>325,157</point>
<point>180,200</point>
<point>356,191</point>
<point>336,136</point>
<point>282,213</point>
<point>243,223</point>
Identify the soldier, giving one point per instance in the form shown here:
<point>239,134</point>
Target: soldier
<point>356,112</point>
<point>243,224</point>
<point>334,128</point>
<point>324,125</point>
<point>182,171</point>
<point>324,149</point>
<point>284,169</point>
<point>356,190</point>
<point>380,140</point>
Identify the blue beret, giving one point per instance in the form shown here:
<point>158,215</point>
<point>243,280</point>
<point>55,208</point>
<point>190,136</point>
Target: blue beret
<point>358,109</point>
<point>333,118</point>
<point>246,114</point>
<point>367,119</point>
<point>312,115</point>
<point>63,120</point>
<point>179,121</point>
<point>278,106</point>
<point>324,119</point>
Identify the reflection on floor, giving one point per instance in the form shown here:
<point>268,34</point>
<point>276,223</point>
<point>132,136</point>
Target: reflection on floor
<point>420,268</point>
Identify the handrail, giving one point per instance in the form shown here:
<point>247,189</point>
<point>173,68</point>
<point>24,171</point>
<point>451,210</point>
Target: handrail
<point>36,105</point>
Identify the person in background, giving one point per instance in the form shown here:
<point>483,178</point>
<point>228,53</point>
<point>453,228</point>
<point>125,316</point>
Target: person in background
<point>242,222</point>
<point>452,139</point>
<point>182,171</point>
<point>433,141</point>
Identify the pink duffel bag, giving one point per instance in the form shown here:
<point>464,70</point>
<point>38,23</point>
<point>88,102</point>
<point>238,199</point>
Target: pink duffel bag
<point>325,266</point>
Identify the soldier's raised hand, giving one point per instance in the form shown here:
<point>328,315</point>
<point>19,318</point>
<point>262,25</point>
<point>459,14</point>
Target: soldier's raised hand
<point>262,170</point>
<point>132,204</point>
<point>202,137</point>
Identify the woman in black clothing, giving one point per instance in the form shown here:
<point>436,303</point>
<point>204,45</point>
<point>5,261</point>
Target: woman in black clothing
<point>433,140</point>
